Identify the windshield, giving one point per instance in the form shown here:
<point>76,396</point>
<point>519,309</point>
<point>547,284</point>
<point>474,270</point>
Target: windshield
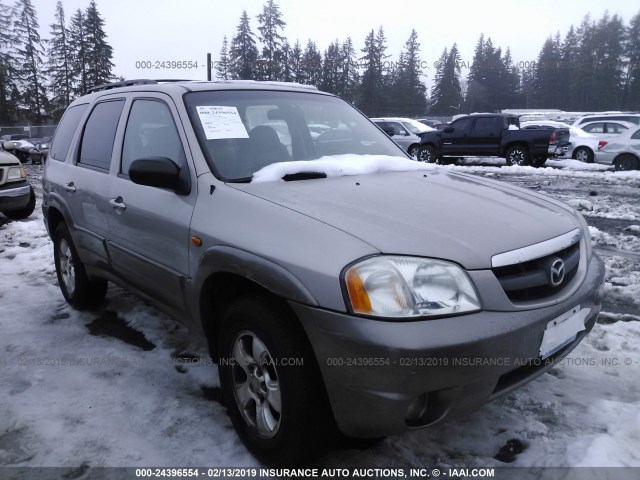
<point>416,127</point>
<point>243,131</point>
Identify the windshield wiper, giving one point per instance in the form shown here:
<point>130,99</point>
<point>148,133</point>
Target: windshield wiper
<point>240,180</point>
<point>292,177</point>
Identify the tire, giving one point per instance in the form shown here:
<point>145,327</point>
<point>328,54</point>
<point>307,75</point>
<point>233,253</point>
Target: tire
<point>583,154</point>
<point>626,162</point>
<point>426,153</point>
<point>538,162</point>
<point>256,330</point>
<point>518,155</point>
<point>413,151</point>
<point>24,212</point>
<point>78,289</point>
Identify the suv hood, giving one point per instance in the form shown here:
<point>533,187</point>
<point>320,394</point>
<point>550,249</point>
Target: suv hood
<point>450,216</point>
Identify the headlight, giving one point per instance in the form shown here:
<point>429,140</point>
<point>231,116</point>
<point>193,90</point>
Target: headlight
<point>44,146</point>
<point>395,286</point>
<point>16,173</point>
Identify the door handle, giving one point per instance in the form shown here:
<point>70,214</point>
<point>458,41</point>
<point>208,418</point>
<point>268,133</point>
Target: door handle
<point>70,187</point>
<point>118,204</point>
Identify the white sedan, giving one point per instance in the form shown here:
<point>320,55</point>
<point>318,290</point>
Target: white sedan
<point>622,151</point>
<point>584,146</point>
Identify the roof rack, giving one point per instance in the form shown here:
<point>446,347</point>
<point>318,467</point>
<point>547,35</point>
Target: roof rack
<point>130,83</point>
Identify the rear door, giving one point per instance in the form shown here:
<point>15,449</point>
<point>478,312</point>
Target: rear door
<point>484,138</point>
<point>149,227</point>
<point>85,187</point>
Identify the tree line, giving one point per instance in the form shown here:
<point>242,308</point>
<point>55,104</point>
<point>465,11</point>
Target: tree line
<point>40,77</point>
<point>366,77</point>
<point>595,67</point>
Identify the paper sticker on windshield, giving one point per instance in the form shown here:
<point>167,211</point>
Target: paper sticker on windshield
<point>221,122</point>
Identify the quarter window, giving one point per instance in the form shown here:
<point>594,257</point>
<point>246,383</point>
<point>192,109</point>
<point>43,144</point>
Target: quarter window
<point>64,133</point>
<point>99,134</point>
<point>151,132</point>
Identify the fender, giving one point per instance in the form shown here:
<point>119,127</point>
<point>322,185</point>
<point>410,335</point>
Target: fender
<point>271,276</point>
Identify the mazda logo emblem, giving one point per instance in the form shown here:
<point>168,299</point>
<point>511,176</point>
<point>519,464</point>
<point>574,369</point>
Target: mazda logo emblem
<point>557,272</point>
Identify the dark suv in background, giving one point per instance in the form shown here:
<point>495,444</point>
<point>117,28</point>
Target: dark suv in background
<point>340,284</point>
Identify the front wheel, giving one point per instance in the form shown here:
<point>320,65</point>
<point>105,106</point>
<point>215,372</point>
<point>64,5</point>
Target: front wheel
<point>518,155</point>
<point>413,151</point>
<point>77,288</point>
<point>271,385</point>
<point>25,211</point>
<point>426,153</point>
<point>626,162</point>
<point>583,154</point>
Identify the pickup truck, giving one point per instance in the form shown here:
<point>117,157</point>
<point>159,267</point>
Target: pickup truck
<point>492,135</point>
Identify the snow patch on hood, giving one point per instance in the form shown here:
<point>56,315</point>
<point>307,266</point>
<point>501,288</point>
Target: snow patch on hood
<point>338,166</point>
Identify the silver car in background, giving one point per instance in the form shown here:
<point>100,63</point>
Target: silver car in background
<point>406,131</point>
<point>621,151</point>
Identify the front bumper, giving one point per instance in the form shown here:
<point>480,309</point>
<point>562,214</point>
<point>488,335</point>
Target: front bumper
<point>14,196</point>
<point>375,372</point>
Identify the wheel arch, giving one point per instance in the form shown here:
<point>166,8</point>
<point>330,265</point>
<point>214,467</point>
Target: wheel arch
<point>227,273</point>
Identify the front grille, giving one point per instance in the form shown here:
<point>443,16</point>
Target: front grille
<point>532,280</point>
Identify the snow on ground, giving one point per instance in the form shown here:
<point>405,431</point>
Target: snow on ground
<point>108,387</point>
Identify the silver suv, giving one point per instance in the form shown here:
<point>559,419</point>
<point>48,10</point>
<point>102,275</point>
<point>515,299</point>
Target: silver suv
<point>343,288</point>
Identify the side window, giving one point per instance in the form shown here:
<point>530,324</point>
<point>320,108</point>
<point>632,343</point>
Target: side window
<point>462,126</point>
<point>398,129</point>
<point>616,128</point>
<point>99,134</point>
<point>64,133</point>
<point>594,128</point>
<point>151,132</point>
<point>636,136</point>
<point>484,127</point>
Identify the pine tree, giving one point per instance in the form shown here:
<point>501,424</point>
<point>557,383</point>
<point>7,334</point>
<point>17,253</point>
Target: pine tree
<point>8,110</point>
<point>608,74</point>
<point>295,61</point>
<point>410,91</point>
<point>509,83</point>
<point>28,53</point>
<point>446,94</point>
<point>59,64</point>
<point>222,68</point>
<point>371,96</point>
<point>475,100</point>
<point>311,65</point>
<point>632,77</point>
<point>243,52</point>
<point>271,24</point>
<point>349,76</point>
<point>549,77</point>
<point>99,52</point>
<point>569,66</point>
<point>331,66</point>
<point>79,56</point>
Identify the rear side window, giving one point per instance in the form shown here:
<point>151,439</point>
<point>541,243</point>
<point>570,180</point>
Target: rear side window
<point>65,131</point>
<point>151,132</point>
<point>485,127</point>
<point>99,134</point>
<point>594,128</point>
<point>636,136</point>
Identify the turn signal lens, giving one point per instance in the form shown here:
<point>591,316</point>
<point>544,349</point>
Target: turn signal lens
<point>357,293</point>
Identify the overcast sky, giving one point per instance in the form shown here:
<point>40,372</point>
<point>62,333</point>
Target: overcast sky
<point>172,30</point>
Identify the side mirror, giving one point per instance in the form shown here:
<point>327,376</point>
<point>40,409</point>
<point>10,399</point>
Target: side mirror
<point>449,130</point>
<point>8,145</point>
<point>159,172</point>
